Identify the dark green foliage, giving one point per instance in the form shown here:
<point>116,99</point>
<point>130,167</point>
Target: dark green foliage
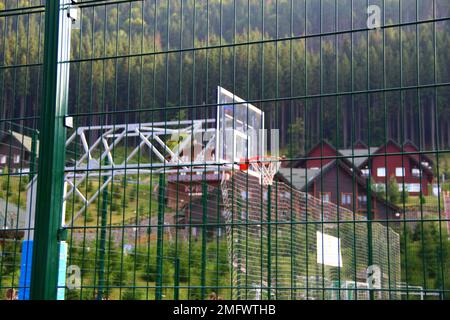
<point>132,294</point>
<point>134,83</point>
<point>393,190</point>
<point>426,256</point>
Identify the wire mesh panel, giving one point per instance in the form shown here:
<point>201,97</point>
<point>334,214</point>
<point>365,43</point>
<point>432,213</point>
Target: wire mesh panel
<point>226,149</point>
<point>21,55</point>
<point>294,246</point>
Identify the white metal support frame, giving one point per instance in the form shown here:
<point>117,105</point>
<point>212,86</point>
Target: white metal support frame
<point>191,151</point>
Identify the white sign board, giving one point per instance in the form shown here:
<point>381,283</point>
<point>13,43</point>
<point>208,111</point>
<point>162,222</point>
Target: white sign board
<point>328,250</point>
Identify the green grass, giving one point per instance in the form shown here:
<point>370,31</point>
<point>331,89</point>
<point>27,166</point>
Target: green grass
<point>427,202</point>
<point>126,202</point>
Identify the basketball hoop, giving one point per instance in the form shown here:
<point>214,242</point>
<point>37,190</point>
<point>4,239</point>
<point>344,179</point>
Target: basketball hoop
<point>266,167</point>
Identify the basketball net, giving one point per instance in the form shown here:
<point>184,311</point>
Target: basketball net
<point>265,166</point>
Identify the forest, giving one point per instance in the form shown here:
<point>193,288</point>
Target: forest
<point>313,66</point>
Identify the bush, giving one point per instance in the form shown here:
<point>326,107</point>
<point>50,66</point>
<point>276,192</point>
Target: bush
<point>423,200</point>
<point>150,273</point>
<point>404,196</point>
<point>393,190</point>
<point>131,294</point>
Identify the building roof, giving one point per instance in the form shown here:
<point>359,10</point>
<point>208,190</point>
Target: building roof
<point>359,144</point>
<point>300,177</point>
<point>359,155</point>
<point>23,140</point>
<point>26,141</point>
<point>412,147</point>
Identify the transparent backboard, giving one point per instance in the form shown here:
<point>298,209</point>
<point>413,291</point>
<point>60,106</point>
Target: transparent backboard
<point>240,129</point>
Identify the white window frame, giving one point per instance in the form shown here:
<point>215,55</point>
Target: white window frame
<point>400,172</point>
<point>328,195</point>
<point>362,199</point>
<point>365,172</point>
<point>2,159</point>
<point>17,158</point>
<point>381,172</point>
<point>416,172</point>
<point>344,197</point>
<point>410,187</point>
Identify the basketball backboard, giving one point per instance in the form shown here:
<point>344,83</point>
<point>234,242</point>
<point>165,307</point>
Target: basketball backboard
<point>240,129</point>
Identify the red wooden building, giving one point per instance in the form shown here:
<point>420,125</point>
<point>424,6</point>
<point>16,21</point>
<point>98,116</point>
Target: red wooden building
<point>412,170</point>
<point>16,151</point>
<point>336,183</point>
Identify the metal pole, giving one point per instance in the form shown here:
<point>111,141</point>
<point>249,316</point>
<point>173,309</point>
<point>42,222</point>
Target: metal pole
<point>50,183</point>
<point>176,280</point>
<point>34,137</point>
<point>239,258</point>
<point>159,245</point>
<point>269,242</point>
<point>369,230</point>
<point>204,235</point>
<point>102,244</point>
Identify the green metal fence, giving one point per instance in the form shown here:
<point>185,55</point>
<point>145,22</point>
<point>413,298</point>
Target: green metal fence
<point>224,149</point>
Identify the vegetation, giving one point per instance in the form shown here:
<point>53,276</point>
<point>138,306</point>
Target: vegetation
<point>13,189</point>
<point>127,200</point>
<point>157,83</point>
<point>393,190</point>
<point>425,253</point>
<point>139,269</point>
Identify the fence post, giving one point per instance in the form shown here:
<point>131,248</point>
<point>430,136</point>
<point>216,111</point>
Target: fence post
<point>269,241</point>
<point>176,279</point>
<point>50,183</point>
<point>35,137</point>
<point>369,231</point>
<point>160,239</point>
<point>102,244</point>
<point>204,235</point>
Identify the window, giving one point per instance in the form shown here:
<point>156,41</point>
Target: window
<point>379,187</point>
<point>362,200</point>
<point>2,159</point>
<point>410,187</point>
<point>416,172</point>
<point>346,199</point>
<point>16,158</point>
<point>326,196</point>
<point>381,172</point>
<point>414,187</point>
<point>365,172</point>
<point>399,172</point>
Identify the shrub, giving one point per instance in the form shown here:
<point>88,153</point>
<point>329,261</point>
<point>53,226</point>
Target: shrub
<point>393,190</point>
<point>131,294</point>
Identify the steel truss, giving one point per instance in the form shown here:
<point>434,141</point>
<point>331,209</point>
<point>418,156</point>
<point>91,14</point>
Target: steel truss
<point>180,147</point>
